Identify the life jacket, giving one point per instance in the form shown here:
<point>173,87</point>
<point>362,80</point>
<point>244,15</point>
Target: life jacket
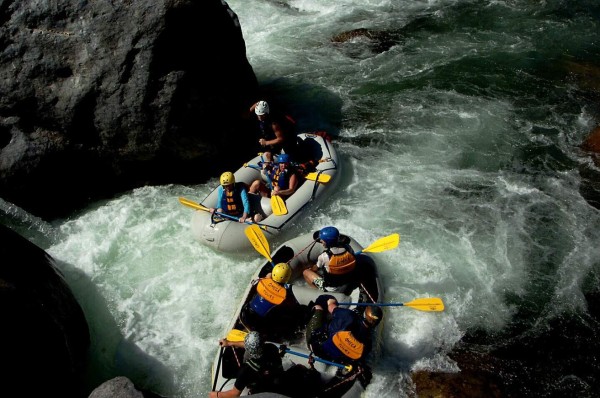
<point>340,267</point>
<point>343,344</point>
<point>234,200</point>
<point>281,178</point>
<point>268,295</point>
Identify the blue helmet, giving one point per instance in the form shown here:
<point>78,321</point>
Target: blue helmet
<point>283,158</point>
<point>330,235</point>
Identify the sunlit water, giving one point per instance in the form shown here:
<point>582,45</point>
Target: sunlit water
<point>460,133</point>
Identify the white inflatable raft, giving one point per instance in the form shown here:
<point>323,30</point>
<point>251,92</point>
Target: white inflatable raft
<point>335,379</point>
<point>228,235</point>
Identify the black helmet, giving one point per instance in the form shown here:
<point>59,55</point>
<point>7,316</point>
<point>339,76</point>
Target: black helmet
<point>373,315</point>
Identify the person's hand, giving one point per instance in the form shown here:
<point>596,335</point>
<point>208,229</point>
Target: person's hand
<point>224,343</point>
<point>275,191</point>
<point>324,299</point>
<point>262,142</point>
<point>212,210</point>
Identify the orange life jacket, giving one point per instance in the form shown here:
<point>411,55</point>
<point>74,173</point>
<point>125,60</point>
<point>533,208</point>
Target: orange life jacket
<point>342,263</point>
<point>348,344</point>
<point>268,294</point>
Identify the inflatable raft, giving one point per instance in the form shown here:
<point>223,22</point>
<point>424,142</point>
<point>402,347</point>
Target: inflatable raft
<point>333,379</point>
<point>228,235</point>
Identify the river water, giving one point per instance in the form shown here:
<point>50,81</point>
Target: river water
<point>459,125</point>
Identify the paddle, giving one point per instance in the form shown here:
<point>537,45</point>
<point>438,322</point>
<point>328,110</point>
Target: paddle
<point>239,335</point>
<point>422,304</point>
<point>277,202</point>
<point>314,176</point>
<point>218,367</point>
<point>259,241</point>
<point>278,205</point>
<point>198,206</point>
<point>382,244</point>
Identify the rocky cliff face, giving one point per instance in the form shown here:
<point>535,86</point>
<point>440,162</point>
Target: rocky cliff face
<point>97,97</point>
<point>44,335</point>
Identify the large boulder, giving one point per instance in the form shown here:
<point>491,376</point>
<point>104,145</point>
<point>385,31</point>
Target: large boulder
<point>44,335</point>
<point>97,97</point>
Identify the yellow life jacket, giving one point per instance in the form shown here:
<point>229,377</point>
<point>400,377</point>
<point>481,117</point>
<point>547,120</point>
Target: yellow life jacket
<point>348,344</point>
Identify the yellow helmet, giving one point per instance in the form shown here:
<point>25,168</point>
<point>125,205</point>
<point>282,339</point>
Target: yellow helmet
<point>281,273</point>
<point>227,178</point>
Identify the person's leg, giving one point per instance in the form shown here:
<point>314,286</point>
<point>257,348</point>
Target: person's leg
<point>314,324</point>
<point>254,187</point>
<point>312,278</point>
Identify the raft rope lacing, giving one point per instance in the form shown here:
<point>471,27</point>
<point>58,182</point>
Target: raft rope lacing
<point>346,380</point>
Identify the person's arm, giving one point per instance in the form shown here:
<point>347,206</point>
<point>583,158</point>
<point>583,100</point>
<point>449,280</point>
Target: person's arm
<point>253,106</point>
<point>234,392</point>
<point>219,200</point>
<point>228,343</point>
<point>246,204</point>
<point>322,261</point>
<point>279,136</point>
<point>332,304</point>
<point>292,187</point>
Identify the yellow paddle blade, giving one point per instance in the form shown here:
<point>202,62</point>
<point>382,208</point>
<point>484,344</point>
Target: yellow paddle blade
<point>383,244</point>
<point>278,205</point>
<point>192,204</point>
<point>236,335</point>
<point>258,240</point>
<point>427,304</point>
<point>322,178</point>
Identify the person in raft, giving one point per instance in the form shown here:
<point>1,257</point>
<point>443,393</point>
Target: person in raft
<point>340,334</point>
<point>233,198</point>
<point>277,132</point>
<point>334,269</point>
<point>273,309</point>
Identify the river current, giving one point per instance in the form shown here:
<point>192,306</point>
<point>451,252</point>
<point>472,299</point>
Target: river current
<point>459,125</point>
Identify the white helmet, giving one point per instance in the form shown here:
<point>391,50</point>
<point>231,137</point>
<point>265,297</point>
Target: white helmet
<point>261,108</point>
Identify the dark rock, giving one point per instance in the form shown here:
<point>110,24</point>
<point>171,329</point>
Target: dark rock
<point>44,335</point>
<point>454,385</point>
<point>100,97</point>
<point>119,387</point>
